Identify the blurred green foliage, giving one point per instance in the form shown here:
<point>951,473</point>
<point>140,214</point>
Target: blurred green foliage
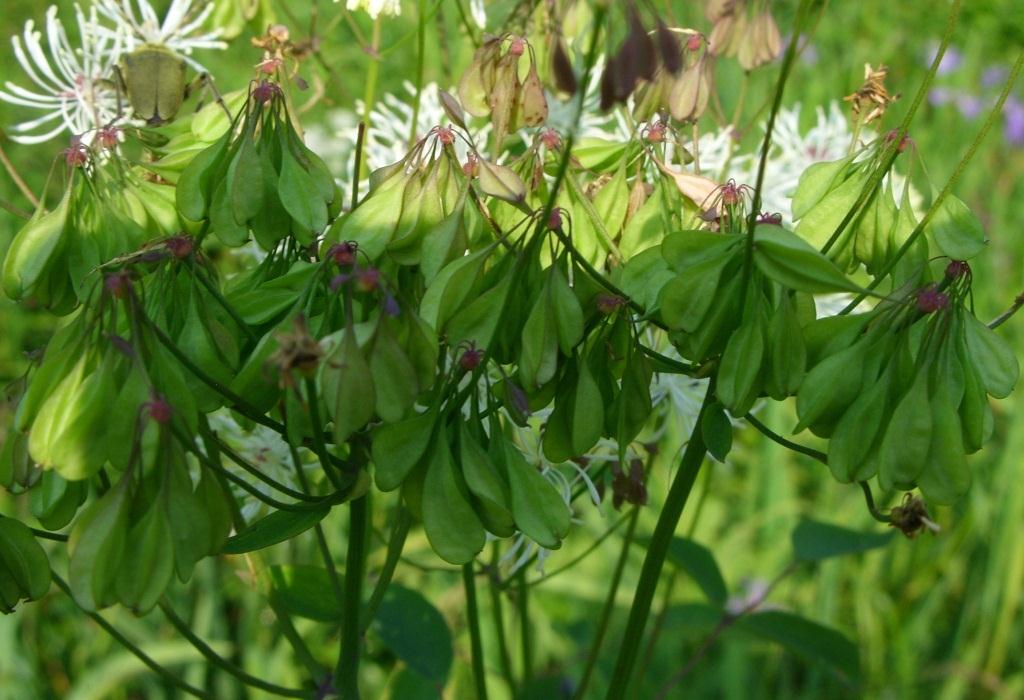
<point>937,617</point>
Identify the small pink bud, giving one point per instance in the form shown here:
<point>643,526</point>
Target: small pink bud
<point>368,279</point>
<point>108,137</point>
<point>655,132</point>
<point>551,139</point>
<point>471,166</point>
<point>158,409</point>
<point>694,42</point>
<point>730,194</point>
<point>265,92</point>
<point>279,33</point>
<point>471,358</point>
<point>517,47</point>
<point>609,303</point>
<point>445,135</point>
<point>555,220</point>
<point>117,284</point>
<point>343,254</point>
<point>269,65</point>
<point>774,219</point>
<point>77,154</point>
<point>179,246</point>
<point>931,299</point>
<point>957,268</point>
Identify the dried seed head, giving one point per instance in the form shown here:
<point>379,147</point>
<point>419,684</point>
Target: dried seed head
<point>871,99</point>
<point>297,350</point>
<point>911,517</point>
<point>628,488</point>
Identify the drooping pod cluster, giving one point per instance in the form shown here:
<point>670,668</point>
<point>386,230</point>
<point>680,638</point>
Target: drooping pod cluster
<point>902,391</point>
<point>259,178</point>
<point>107,209</point>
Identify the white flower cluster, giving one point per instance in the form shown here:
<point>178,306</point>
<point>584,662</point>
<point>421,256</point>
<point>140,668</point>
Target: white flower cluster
<point>74,88</point>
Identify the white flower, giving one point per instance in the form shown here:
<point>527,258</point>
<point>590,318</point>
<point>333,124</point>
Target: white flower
<point>70,84</point>
<point>476,10</point>
<point>375,8</point>
<point>180,31</point>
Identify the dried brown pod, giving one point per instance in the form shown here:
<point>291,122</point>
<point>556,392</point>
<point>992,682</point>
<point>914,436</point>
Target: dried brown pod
<point>669,50</point>
<point>561,67</point>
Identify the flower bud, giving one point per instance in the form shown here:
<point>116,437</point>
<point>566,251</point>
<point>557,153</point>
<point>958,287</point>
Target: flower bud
<point>471,358</point>
<point>368,279</point>
<point>931,299</point>
<point>957,268</point>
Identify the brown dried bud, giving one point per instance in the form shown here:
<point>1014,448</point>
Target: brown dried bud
<point>561,67</point>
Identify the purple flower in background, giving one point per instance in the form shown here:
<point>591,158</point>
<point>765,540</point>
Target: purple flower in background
<point>1013,126</point>
<point>994,75</point>
<point>951,60</point>
<point>970,105</point>
<point>939,96</point>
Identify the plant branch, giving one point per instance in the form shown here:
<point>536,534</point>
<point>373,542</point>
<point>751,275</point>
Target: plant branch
<point>346,672</point>
<point>136,651</point>
<point>657,550</point>
<point>227,666</point>
<point>399,531</point>
<point>1006,315</point>
<point>789,444</point>
<point>475,643</point>
<point>16,176</point>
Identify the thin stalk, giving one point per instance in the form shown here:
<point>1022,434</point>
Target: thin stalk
<point>525,637</point>
<point>216,294</point>
<point>657,550</point>
<point>346,673</point>
<point>14,210</point>
<point>789,444</point>
<point>609,607</point>
<point>399,531</point>
<point>321,539</point>
<point>475,643</point>
<point>1006,315</point>
<point>127,644</point>
<point>252,469</point>
<point>55,536</point>
<point>319,446</point>
<point>16,176</point>
<point>499,620</point>
<point>993,114</point>
<point>238,403</point>
<point>755,207</point>
<point>421,47</point>
<point>222,663</point>
<point>372,73</point>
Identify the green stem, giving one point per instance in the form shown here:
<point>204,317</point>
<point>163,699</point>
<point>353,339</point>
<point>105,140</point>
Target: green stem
<point>787,66</point>
<point>993,114</point>
<point>127,644</point>
<point>399,531</point>
<point>215,293</point>
<point>789,444</point>
<point>609,607</point>
<point>219,661</point>
<point>657,550</point>
<point>346,673</point>
<point>499,621</point>
<point>475,643</point>
<point>421,46</point>
<point>319,446</point>
<point>238,403</point>
<point>525,640</point>
<point>321,539</point>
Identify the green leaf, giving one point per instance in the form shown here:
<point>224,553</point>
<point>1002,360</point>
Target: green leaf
<point>415,632</point>
<point>699,564</point>
<point>805,638</point>
<point>814,540</point>
<point>299,196</point>
<point>305,591</point>
<point>716,428</point>
<point>792,262</point>
<point>957,230</point>
<point>277,527</point>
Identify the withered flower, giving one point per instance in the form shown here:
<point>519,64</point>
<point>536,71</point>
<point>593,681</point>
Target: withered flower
<point>296,350</point>
<point>871,99</point>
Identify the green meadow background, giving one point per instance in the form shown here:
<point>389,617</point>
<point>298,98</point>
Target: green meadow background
<point>936,617</point>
